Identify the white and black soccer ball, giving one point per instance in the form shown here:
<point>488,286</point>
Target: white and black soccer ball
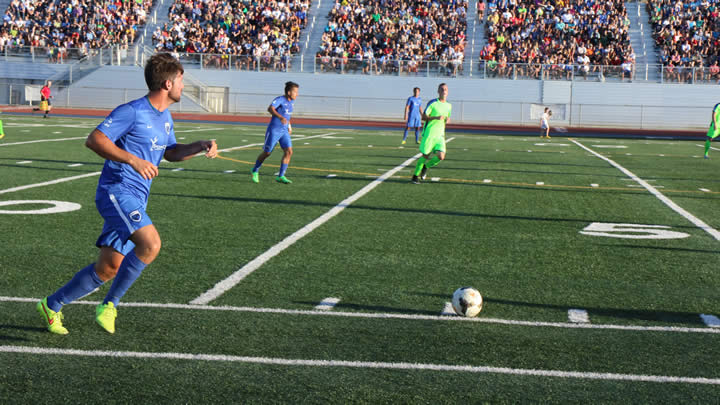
<point>467,301</point>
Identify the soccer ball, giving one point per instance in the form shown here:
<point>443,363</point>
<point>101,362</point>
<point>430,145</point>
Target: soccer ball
<point>467,301</point>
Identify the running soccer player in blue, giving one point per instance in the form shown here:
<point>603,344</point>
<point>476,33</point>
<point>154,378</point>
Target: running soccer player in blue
<point>133,139</point>
<point>413,116</point>
<point>278,130</point>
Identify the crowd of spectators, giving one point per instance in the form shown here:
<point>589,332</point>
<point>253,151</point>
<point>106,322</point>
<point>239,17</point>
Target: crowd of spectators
<point>235,33</point>
<point>71,26</point>
<point>688,37</point>
<point>558,38</point>
<point>394,36</point>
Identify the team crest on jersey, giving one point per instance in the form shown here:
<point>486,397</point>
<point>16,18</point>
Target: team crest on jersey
<point>108,122</point>
<point>136,216</point>
<point>167,128</point>
<point>155,146</point>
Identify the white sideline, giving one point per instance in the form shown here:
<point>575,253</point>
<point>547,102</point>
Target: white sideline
<point>690,217</point>
<point>362,364</point>
<point>231,281</point>
<point>380,315</point>
<point>43,140</point>
<point>47,183</point>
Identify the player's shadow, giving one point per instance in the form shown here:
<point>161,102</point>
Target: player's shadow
<point>95,163</point>
<point>53,169</point>
<point>546,164</point>
<point>670,249</point>
<point>389,209</point>
<point>487,170</point>
<point>4,337</point>
<point>617,313</point>
<point>374,308</point>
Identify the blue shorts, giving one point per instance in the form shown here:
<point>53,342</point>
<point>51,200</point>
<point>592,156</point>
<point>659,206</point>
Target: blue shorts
<point>414,122</point>
<point>275,135</point>
<point>124,214</point>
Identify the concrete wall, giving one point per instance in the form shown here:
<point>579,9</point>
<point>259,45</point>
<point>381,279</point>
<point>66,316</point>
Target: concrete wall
<point>475,101</point>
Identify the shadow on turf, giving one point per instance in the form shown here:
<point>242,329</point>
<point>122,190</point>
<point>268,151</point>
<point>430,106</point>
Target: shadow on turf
<point>20,328</point>
<point>97,163</point>
<point>393,209</point>
<point>619,313</point>
<point>374,308</point>
<point>671,249</point>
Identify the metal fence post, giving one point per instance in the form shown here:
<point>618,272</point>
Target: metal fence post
<point>662,73</point>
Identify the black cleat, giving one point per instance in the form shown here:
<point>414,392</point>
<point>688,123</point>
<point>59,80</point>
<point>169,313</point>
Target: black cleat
<point>415,180</point>
<point>423,173</point>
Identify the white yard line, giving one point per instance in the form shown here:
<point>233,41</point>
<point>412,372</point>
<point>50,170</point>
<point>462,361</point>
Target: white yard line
<point>702,146</point>
<point>380,315</point>
<point>230,282</point>
<point>578,316</point>
<point>361,364</point>
<point>653,190</point>
<point>327,304</point>
<point>47,183</point>
<point>43,140</point>
<point>710,320</point>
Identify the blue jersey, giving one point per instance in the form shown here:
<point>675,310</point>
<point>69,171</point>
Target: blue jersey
<point>284,107</point>
<point>415,103</point>
<point>140,129</point>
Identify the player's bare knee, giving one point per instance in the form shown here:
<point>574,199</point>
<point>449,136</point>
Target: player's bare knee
<point>107,271</point>
<point>148,250</point>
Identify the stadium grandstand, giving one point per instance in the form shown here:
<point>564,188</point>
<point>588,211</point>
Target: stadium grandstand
<point>660,40</point>
<point>74,43</point>
<point>70,29</point>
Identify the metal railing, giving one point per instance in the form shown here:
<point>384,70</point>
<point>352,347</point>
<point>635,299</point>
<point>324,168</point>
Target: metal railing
<point>109,55</point>
<point>276,63</point>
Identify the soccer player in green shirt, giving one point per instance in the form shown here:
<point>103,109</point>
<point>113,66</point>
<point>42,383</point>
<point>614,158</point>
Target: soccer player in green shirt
<point>714,129</point>
<point>436,116</point>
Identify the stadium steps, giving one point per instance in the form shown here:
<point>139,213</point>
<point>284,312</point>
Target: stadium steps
<point>475,38</point>
<point>4,5</point>
<point>304,61</point>
<point>642,42</point>
<point>157,18</point>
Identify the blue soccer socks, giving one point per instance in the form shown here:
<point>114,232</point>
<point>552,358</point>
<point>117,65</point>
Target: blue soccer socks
<point>129,271</point>
<point>82,284</point>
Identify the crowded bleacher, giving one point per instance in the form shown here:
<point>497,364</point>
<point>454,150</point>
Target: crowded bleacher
<point>239,34</point>
<point>687,35</point>
<point>386,36</point>
<point>71,27</point>
<point>558,39</point>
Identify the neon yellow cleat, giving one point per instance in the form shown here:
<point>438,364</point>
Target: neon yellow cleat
<point>255,177</point>
<point>402,143</point>
<point>53,320</point>
<point>283,179</point>
<point>105,316</point>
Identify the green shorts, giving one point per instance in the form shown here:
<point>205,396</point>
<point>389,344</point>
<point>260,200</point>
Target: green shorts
<point>432,143</point>
<point>713,133</point>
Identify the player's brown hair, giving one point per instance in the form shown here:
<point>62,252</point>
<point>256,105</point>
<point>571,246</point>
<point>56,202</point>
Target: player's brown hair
<point>159,68</point>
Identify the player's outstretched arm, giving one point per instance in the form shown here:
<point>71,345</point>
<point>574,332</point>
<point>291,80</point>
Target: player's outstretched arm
<point>99,143</point>
<point>184,151</point>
